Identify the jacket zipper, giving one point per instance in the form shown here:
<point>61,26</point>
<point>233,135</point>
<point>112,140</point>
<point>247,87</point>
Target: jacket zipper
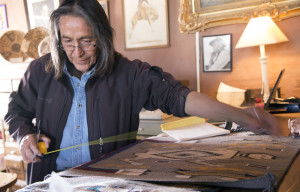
<point>99,124</point>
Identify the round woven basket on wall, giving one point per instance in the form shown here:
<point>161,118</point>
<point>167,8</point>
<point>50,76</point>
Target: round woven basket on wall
<point>10,46</point>
<point>32,40</point>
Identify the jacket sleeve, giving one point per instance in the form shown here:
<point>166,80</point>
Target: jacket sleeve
<point>21,108</point>
<point>159,89</point>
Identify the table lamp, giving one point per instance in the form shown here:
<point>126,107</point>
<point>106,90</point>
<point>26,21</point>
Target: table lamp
<point>262,31</point>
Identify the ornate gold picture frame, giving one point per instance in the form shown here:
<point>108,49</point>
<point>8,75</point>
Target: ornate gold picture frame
<point>198,15</point>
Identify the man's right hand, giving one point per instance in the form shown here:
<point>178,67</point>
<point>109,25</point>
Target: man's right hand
<point>29,148</point>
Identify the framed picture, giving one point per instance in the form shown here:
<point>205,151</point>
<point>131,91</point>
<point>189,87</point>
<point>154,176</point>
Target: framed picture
<point>217,53</point>
<point>146,23</point>
<point>104,4</point>
<point>3,17</point>
<point>198,15</point>
<point>39,11</point>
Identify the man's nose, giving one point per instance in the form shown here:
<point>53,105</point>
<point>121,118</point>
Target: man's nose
<point>77,51</point>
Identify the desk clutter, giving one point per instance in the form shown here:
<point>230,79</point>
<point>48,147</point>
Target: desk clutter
<point>274,104</point>
<point>232,161</point>
<point>151,121</point>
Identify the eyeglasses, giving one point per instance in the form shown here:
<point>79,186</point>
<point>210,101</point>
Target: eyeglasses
<point>84,47</point>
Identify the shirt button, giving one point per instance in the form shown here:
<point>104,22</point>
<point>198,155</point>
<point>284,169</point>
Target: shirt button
<point>80,105</point>
<point>78,127</point>
<point>78,84</point>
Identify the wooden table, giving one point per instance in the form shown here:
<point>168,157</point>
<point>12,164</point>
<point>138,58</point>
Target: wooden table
<point>291,181</point>
<point>7,180</point>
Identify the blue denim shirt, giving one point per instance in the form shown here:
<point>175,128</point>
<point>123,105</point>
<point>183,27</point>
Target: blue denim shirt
<point>76,129</point>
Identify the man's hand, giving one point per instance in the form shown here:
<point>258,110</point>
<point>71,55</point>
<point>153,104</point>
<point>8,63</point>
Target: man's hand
<point>267,123</point>
<point>29,148</point>
<point>253,118</point>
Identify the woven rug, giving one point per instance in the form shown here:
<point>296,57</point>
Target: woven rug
<point>108,184</point>
<point>253,162</point>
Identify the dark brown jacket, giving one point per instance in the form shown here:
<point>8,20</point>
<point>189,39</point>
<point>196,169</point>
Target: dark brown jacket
<point>113,104</point>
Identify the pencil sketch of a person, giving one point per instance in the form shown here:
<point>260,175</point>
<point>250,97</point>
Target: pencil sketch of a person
<point>220,57</point>
<point>144,12</point>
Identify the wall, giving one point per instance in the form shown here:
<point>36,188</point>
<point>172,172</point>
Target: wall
<point>180,58</point>
<point>246,67</point>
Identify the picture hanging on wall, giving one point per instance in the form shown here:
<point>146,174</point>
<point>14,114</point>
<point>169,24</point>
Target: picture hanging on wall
<point>217,53</point>
<point>38,12</point>
<point>3,17</point>
<point>104,4</point>
<point>146,24</point>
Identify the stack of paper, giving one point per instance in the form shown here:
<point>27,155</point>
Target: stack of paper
<point>192,128</point>
<point>157,114</point>
<point>230,95</point>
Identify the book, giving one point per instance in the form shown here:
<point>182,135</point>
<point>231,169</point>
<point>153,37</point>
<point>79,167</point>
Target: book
<point>192,128</point>
<point>153,126</point>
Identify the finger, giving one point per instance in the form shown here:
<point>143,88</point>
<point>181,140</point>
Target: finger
<point>28,147</point>
<point>36,159</point>
<point>25,144</point>
<point>271,124</point>
<point>26,155</point>
<point>29,154</point>
<point>34,148</point>
<point>45,139</point>
<point>266,121</point>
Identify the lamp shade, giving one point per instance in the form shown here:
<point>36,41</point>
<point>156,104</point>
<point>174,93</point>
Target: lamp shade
<point>261,31</point>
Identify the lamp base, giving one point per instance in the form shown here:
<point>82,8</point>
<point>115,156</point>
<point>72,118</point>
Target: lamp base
<point>265,83</point>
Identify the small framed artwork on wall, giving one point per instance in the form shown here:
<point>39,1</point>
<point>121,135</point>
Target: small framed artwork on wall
<point>3,17</point>
<point>39,11</point>
<point>217,53</point>
<point>146,23</point>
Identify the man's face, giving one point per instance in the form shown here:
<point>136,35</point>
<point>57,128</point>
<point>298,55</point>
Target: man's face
<point>75,31</point>
<point>217,46</point>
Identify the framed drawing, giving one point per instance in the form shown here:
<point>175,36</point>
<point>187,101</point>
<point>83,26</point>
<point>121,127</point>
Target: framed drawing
<point>38,12</point>
<point>217,53</point>
<point>104,4</point>
<point>3,17</point>
<point>198,15</point>
<point>146,23</point>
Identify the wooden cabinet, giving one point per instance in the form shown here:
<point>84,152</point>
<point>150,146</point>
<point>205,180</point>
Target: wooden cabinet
<point>15,164</point>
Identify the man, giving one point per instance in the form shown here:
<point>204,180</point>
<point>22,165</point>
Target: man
<point>85,91</point>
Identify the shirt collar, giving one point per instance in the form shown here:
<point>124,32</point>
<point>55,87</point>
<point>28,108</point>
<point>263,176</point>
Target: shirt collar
<point>86,74</point>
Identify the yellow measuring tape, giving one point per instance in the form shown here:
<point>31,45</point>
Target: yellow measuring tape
<point>121,137</point>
